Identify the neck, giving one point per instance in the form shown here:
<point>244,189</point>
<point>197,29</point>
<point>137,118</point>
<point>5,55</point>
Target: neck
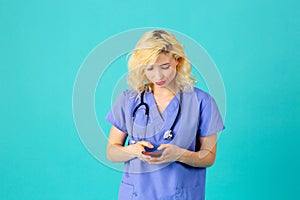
<point>165,91</point>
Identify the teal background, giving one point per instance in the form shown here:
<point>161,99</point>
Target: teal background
<point>255,45</point>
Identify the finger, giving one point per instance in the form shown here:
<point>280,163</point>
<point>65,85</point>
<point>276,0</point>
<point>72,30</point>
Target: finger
<point>145,158</point>
<point>156,161</point>
<point>146,144</point>
<point>162,146</point>
<point>153,161</point>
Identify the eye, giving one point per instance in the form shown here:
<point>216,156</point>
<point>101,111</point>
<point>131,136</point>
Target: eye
<point>167,66</point>
<point>149,68</point>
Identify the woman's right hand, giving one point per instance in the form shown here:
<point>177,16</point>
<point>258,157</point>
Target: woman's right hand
<point>117,152</point>
<point>137,149</point>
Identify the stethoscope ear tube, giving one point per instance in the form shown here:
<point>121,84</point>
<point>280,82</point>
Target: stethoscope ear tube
<point>141,104</point>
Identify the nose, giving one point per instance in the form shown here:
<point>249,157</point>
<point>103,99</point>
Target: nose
<point>157,74</point>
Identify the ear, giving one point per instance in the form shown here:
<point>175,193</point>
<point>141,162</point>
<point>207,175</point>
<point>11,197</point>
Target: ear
<point>176,60</point>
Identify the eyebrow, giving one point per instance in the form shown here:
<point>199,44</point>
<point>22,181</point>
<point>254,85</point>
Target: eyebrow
<point>164,64</point>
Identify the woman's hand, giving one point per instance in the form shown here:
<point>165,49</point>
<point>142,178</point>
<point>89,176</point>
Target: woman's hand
<point>117,152</point>
<point>171,153</point>
<point>137,149</point>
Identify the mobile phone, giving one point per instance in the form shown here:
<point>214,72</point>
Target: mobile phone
<point>152,153</point>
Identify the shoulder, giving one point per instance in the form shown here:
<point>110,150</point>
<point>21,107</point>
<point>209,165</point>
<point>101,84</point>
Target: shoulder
<point>128,96</point>
<point>201,95</point>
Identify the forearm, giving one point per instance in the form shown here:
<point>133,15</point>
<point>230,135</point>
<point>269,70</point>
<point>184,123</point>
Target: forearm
<point>202,158</point>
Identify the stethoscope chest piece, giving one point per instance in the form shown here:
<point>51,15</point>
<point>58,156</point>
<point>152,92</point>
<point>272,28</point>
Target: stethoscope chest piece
<point>168,135</point>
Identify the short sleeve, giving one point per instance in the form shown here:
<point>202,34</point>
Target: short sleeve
<point>117,114</point>
<point>210,119</point>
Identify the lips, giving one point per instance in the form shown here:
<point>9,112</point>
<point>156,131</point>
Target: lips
<point>160,83</point>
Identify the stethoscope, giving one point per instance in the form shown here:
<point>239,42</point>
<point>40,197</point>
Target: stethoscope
<point>168,135</point>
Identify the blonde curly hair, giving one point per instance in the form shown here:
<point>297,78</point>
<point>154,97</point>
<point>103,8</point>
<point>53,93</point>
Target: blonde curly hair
<point>148,48</point>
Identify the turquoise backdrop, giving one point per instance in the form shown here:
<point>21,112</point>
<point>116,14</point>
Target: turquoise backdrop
<point>255,45</point>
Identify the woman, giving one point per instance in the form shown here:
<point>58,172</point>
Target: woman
<point>170,125</point>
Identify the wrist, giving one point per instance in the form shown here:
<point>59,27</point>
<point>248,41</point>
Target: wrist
<point>181,155</point>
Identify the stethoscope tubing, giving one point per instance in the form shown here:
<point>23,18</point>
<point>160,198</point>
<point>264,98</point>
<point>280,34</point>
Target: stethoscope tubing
<point>168,134</point>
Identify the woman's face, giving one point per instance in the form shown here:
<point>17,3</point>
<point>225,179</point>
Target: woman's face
<point>162,73</point>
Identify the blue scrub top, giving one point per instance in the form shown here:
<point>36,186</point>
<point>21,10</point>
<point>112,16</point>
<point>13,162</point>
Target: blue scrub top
<point>199,117</point>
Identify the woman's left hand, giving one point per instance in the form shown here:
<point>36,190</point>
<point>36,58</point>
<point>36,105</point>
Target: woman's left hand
<point>171,153</point>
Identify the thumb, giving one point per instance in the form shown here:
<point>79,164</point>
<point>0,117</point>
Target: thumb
<point>162,146</point>
<point>146,144</point>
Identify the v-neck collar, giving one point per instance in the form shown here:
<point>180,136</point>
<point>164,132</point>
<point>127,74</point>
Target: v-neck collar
<point>172,105</point>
